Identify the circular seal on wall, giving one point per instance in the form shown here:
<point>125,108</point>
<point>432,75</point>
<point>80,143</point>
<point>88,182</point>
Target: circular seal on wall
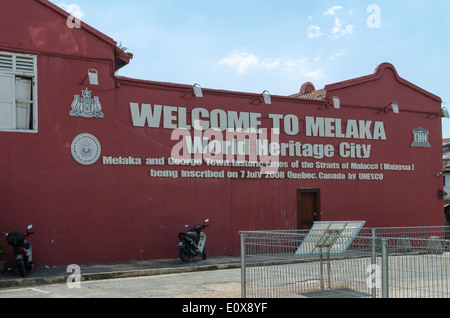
<point>86,149</point>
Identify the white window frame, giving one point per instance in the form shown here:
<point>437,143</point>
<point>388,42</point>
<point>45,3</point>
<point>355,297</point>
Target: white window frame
<point>13,66</point>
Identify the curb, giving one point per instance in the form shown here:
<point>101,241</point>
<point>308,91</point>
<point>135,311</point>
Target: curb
<point>25,282</point>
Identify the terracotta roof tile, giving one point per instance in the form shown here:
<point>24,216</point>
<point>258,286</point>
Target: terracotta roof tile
<point>317,94</point>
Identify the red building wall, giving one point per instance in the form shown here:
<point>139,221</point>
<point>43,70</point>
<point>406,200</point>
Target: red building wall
<point>110,212</point>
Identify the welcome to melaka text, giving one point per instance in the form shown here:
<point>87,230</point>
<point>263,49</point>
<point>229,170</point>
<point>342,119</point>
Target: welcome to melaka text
<point>231,135</point>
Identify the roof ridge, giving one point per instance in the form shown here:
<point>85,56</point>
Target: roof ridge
<point>84,25</point>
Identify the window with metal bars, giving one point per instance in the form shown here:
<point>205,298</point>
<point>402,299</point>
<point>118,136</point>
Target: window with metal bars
<point>18,92</point>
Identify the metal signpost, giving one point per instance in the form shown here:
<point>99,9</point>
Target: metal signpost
<point>329,238</point>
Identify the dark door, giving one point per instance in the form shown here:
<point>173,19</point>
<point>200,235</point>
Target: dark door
<point>308,208</point>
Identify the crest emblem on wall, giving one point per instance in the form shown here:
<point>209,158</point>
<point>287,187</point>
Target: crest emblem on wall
<point>86,106</point>
<point>86,149</point>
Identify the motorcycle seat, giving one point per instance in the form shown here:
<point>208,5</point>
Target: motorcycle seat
<point>192,236</point>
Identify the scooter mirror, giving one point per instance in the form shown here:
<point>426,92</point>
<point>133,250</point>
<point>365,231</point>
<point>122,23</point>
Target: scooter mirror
<point>30,226</point>
<point>207,220</point>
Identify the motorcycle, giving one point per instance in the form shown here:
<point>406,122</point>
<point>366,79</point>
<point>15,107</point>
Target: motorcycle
<point>193,242</point>
<point>22,250</point>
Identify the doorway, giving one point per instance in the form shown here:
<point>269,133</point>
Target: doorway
<point>308,208</point>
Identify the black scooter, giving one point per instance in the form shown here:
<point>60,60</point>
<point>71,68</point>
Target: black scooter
<point>22,250</point>
<point>193,242</point>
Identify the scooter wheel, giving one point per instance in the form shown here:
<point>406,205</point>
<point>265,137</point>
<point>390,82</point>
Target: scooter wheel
<point>185,255</point>
<point>204,253</point>
<point>21,266</point>
<point>29,266</point>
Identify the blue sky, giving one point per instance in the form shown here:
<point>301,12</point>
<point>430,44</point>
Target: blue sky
<point>257,45</point>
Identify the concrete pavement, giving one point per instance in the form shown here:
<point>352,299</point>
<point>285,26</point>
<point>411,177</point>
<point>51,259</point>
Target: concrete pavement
<point>55,275</point>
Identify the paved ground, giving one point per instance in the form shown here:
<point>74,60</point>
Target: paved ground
<point>216,284</point>
<point>53,275</point>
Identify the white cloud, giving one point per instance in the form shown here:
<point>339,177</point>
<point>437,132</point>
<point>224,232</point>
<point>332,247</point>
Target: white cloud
<point>245,62</point>
<point>314,32</point>
<point>271,65</point>
<point>340,29</point>
<point>242,61</point>
<point>73,9</point>
<point>332,10</point>
<point>338,54</point>
<point>304,68</point>
<point>337,25</point>
<point>348,29</point>
<point>314,74</point>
